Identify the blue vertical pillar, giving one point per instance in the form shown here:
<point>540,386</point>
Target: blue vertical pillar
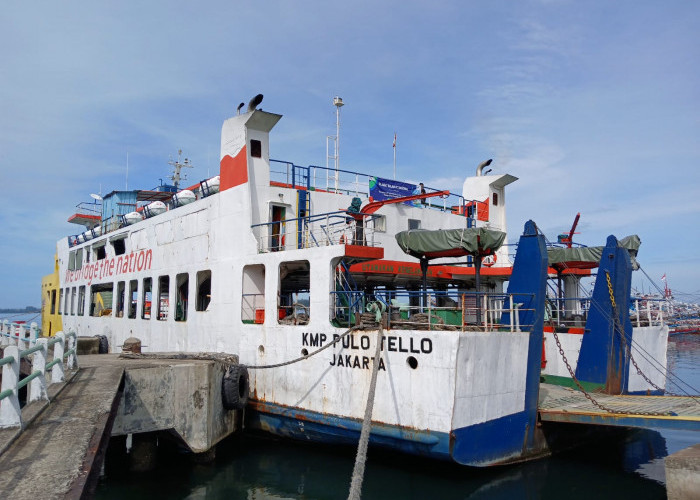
<point>605,354</point>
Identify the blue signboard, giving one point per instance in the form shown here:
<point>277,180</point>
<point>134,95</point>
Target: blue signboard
<point>387,189</point>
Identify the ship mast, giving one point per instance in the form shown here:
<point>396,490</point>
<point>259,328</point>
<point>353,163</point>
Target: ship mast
<point>177,167</point>
<point>335,140</point>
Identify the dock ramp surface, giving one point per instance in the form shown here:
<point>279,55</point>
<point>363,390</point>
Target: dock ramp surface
<point>59,454</point>
<point>563,404</point>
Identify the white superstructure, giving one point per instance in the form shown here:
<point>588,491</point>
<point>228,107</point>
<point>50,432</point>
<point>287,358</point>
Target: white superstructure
<point>270,267</point>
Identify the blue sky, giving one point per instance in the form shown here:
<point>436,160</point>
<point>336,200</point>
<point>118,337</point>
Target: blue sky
<point>595,106</point>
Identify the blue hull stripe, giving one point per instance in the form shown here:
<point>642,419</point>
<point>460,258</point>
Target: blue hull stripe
<point>318,427</point>
<point>489,443</point>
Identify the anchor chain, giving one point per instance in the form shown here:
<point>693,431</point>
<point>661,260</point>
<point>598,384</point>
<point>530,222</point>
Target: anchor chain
<point>578,384</point>
<point>621,330</point>
<point>576,381</point>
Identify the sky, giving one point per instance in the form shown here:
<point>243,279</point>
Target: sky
<point>594,106</point>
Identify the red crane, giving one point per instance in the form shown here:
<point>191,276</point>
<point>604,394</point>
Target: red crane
<point>569,238</point>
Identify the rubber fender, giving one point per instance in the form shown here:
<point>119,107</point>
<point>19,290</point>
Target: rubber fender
<point>235,388</point>
<point>104,344</point>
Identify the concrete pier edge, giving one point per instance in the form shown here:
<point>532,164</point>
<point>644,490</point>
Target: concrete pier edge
<point>683,474</point>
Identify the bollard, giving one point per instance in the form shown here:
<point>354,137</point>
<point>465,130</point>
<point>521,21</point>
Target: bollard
<point>10,413</point>
<point>57,372</point>
<point>37,387</point>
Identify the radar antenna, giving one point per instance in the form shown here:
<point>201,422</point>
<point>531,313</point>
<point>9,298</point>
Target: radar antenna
<point>177,167</point>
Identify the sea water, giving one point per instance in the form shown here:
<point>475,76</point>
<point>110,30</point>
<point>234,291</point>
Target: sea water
<point>260,467</point>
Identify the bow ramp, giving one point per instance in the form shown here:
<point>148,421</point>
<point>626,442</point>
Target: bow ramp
<point>563,404</point>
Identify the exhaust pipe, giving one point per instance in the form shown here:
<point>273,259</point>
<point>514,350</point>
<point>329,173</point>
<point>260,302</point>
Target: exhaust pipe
<point>481,166</point>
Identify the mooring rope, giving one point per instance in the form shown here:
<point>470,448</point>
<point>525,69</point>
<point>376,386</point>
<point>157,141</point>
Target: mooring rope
<point>361,457</point>
<point>307,356</point>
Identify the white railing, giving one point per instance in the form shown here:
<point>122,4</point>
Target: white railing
<point>334,228</point>
<point>10,410</point>
<point>649,312</point>
<point>19,334</point>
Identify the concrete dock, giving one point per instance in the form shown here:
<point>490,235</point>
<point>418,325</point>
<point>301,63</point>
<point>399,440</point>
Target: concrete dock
<point>61,451</point>
<point>683,474</point>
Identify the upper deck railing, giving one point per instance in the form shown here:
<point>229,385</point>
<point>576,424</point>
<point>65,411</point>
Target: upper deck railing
<point>351,183</point>
<point>333,228</point>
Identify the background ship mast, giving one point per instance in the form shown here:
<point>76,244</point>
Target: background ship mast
<point>177,167</point>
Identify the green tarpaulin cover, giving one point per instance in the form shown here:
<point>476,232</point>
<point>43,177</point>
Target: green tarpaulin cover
<point>450,242</point>
<point>563,257</point>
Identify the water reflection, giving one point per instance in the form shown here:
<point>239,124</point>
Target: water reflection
<point>254,467</point>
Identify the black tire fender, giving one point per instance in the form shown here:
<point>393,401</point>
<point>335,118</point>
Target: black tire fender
<point>104,344</point>
<point>235,388</point>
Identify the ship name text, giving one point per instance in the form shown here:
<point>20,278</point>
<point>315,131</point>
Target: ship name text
<point>390,343</point>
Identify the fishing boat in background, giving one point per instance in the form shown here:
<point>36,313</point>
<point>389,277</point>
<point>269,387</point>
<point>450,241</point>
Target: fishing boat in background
<point>300,271</point>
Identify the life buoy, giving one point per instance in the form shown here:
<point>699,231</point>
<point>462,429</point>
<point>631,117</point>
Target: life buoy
<point>234,387</point>
<point>489,263</point>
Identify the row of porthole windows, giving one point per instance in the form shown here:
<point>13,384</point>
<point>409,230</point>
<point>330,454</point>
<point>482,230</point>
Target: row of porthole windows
<point>104,302</point>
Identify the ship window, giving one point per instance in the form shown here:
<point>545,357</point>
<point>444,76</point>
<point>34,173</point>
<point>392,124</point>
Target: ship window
<point>119,246</point>
<point>203,290</point>
<point>413,224</point>
<point>73,293</point>
<point>147,296</point>
<point>183,283</point>
<point>378,223</point>
<point>81,300</point>
<point>87,255</point>
<point>101,299</point>
<point>495,199</point>
<point>53,301</point>
<point>255,148</point>
<point>60,300</point>
<point>79,258</point>
<point>163,297</point>
<point>100,252</point>
<point>133,297</point>
<point>294,288</point>
<point>121,288</point>
<point>253,294</point>
<point>71,261</point>
<point>66,307</point>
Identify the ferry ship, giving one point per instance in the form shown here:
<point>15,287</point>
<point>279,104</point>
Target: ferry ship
<point>297,270</point>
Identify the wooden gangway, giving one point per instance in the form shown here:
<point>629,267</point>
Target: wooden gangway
<point>563,404</point>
